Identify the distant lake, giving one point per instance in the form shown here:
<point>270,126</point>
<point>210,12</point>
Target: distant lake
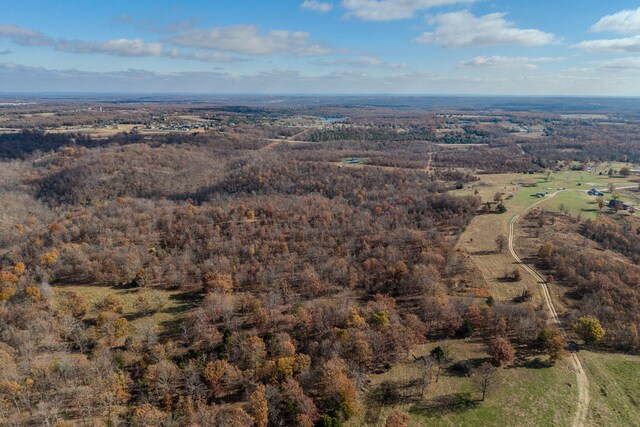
<point>331,119</point>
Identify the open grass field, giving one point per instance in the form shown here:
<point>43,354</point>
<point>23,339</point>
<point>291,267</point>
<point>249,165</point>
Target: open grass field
<point>490,266</point>
<point>46,114</point>
<point>577,203</point>
<point>172,305</point>
<point>105,132</point>
<point>615,389</point>
<point>535,393</point>
<point>574,200</point>
<point>111,130</point>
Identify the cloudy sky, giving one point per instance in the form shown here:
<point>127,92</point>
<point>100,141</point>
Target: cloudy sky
<point>519,47</point>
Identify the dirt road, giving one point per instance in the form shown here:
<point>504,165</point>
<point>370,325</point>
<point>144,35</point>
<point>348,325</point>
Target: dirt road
<point>427,168</point>
<point>582,379</point>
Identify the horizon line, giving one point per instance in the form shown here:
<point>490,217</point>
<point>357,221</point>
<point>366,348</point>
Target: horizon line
<point>311,94</point>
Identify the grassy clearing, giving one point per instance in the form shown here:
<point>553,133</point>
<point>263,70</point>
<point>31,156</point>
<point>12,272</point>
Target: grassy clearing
<point>173,305</point>
<point>574,202</point>
<point>478,240</point>
<point>105,132</point>
<point>535,394</point>
<point>574,199</point>
<point>615,390</point>
<point>97,131</point>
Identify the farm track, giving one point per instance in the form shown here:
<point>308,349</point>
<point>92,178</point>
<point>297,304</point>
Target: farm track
<point>276,142</point>
<point>293,139</point>
<point>428,168</point>
<point>581,377</point>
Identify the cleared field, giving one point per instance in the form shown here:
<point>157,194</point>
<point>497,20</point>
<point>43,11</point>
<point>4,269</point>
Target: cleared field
<point>103,132</point>
<point>478,240</point>
<point>532,394</point>
<point>574,202</point>
<point>172,305</point>
<point>518,196</point>
<point>99,132</point>
<point>615,390</point>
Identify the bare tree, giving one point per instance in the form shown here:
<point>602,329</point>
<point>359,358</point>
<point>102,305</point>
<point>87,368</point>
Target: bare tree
<point>501,243</point>
<point>427,375</point>
<point>484,377</point>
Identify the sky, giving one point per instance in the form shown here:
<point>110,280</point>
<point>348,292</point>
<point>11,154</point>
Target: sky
<point>472,47</point>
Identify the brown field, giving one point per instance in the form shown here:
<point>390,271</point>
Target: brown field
<point>113,130</point>
<point>478,242</point>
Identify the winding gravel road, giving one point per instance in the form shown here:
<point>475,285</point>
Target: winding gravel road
<point>576,366</point>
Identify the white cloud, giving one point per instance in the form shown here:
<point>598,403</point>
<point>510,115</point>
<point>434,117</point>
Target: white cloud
<point>139,48</point>
<point>391,10</point>
<point>616,46</point>
<point>247,39</point>
<point>621,64</point>
<point>507,62</point>
<point>364,61</point>
<point>316,6</point>
<point>241,39</point>
<point>462,29</point>
<point>201,56</point>
<point>119,47</point>
<point>623,22</point>
<point>23,36</point>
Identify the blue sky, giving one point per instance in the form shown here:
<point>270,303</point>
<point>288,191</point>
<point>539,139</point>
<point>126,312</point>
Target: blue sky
<point>543,47</point>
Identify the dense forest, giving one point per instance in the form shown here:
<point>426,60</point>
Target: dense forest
<point>296,271</point>
<point>598,284</point>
